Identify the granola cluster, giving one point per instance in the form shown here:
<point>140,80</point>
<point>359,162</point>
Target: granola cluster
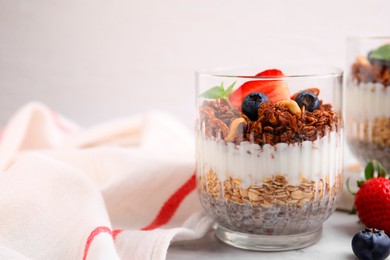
<point>276,123</point>
<point>365,71</point>
<point>217,116</point>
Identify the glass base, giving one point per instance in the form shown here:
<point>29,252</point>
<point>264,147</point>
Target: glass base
<point>268,242</point>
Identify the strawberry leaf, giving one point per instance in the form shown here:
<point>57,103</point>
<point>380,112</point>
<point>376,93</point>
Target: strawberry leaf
<point>360,183</point>
<point>369,170</point>
<point>381,170</point>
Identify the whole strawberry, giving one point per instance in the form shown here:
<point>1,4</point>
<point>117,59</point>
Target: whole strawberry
<point>372,201</point>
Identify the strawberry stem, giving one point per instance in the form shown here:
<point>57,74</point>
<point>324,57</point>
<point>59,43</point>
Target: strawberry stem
<point>349,188</point>
<point>360,183</point>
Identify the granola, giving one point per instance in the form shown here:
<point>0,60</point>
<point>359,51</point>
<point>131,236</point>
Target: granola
<point>364,70</point>
<point>276,123</point>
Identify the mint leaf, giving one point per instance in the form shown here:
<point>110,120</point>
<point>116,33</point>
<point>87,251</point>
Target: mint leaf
<point>229,90</point>
<point>214,93</point>
<point>218,92</point>
<point>381,53</point>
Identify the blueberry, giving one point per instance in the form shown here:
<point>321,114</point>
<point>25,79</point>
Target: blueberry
<point>309,100</point>
<point>251,104</point>
<point>371,244</point>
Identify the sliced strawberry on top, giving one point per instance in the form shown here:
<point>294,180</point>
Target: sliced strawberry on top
<point>276,90</point>
<point>270,73</point>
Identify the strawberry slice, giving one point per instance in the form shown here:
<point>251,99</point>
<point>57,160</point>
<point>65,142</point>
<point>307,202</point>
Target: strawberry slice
<point>276,90</point>
<point>270,73</point>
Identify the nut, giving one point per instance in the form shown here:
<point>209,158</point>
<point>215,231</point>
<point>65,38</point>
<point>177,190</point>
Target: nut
<point>233,129</point>
<point>316,92</point>
<point>362,61</point>
<point>292,106</point>
<point>363,71</point>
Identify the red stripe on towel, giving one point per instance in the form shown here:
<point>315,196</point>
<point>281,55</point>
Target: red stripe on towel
<point>172,204</point>
<point>92,235</point>
<point>116,232</point>
<point>165,214</point>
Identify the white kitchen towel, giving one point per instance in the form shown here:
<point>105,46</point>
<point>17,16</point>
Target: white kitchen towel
<point>121,190</point>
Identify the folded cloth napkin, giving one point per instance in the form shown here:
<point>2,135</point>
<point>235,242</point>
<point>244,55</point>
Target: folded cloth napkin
<point>120,190</point>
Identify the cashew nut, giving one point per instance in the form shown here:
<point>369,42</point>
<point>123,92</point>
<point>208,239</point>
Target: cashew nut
<point>362,60</point>
<point>292,106</point>
<point>233,129</point>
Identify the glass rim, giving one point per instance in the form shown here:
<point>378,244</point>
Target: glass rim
<point>368,37</point>
<point>324,71</point>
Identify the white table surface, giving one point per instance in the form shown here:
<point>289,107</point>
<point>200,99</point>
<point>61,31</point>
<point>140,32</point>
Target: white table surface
<point>335,244</point>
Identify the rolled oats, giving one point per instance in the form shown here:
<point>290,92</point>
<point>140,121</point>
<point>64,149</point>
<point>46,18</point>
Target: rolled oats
<point>273,190</point>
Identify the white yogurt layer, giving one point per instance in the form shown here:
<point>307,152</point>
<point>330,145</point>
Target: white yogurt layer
<point>321,159</point>
<point>367,100</point>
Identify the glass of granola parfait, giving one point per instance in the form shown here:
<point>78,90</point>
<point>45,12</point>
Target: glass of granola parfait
<point>368,99</point>
<point>269,153</point>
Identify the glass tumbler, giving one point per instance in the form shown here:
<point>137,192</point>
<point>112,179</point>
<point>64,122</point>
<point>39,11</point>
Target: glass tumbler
<point>368,99</point>
<point>269,153</point>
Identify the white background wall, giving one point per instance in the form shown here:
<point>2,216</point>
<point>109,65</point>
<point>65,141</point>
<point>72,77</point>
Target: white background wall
<point>92,60</point>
